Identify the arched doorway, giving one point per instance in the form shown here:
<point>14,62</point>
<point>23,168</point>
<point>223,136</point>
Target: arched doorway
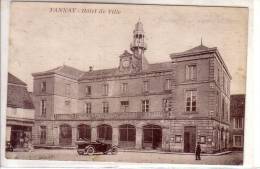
<point>152,137</point>
<point>104,132</point>
<point>127,136</point>
<point>65,137</point>
<point>84,132</point>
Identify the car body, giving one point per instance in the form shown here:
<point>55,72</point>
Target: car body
<point>89,148</point>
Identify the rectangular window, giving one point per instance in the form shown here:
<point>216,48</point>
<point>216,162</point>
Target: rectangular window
<point>88,108</point>
<point>43,86</point>
<point>146,86</point>
<point>43,134</point>
<point>238,123</point>
<point>67,90</point>
<point>191,72</point>
<point>237,141</point>
<point>43,108</point>
<point>88,90</point>
<point>167,85</point>
<point>191,101</point>
<point>105,89</point>
<point>105,107</point>
<point>145,105</point>
<point>167,104</point>
<point>124,106</point>
<point>124,88</point>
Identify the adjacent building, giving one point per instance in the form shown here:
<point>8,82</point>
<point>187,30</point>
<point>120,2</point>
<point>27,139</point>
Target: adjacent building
<point>19,113</point>
<point>237,114</point>
<point>167,106</point>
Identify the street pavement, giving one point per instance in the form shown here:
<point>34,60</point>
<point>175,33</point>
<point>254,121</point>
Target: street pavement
<point>234,158</point>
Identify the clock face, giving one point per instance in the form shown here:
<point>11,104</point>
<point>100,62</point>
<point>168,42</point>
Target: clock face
<point>125,63</point>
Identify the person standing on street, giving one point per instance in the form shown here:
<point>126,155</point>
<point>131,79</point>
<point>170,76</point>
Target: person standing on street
<point>197,151</point>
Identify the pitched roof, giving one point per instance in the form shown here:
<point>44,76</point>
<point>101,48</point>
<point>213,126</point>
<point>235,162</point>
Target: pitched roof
<point>114,71</point>
<point>99,73</point>
<point>64,71</point>
<point>159,66</point>
<point>195,50</point>
<point>14,80</point>
<point>17,95</point>
<point>198,50</point>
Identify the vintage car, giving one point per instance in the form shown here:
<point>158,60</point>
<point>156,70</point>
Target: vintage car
<point>89,148</point>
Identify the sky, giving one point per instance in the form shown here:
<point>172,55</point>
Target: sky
<point>47,35</point>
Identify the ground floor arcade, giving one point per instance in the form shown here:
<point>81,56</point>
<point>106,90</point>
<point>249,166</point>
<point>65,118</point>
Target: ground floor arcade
<point>167,135</point>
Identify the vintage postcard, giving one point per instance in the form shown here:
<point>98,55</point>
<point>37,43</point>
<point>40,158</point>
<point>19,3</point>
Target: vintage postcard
<point>129,83</point>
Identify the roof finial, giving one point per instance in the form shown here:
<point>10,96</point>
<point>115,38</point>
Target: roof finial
<point>201,44</point>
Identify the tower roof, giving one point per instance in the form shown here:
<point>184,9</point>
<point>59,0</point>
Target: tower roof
<point>139,26</point>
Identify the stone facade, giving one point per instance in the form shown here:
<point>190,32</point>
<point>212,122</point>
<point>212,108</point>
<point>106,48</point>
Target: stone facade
<point>237,115</point>
<point>168,106</point>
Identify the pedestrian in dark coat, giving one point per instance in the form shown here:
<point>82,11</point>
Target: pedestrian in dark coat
<point>197,151</point>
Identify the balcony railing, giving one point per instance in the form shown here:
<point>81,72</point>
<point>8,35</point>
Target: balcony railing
<point>113,116</point>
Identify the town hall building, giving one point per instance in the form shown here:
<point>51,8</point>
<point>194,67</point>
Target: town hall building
<point>167,106</point>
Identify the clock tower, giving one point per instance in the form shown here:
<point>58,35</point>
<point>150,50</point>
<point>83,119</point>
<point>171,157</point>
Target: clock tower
<point>138,46</point>
<point>135,61</point>
<point>126,64</point>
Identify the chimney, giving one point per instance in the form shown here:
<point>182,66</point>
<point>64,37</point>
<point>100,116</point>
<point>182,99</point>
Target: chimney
<point>90,68</point>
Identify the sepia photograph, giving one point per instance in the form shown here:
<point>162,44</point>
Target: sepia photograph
<point>128,83</point>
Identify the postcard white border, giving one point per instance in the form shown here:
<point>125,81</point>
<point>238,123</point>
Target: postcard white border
<point>252,87</point>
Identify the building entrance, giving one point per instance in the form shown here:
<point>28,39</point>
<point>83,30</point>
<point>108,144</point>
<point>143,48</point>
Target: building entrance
<point>84,132</point>
<point>127,136</point>
<point>189,139</point>
<point>65,135</point>
<point>152,137</point>
<point>104,133</point>
<point>20,136</point>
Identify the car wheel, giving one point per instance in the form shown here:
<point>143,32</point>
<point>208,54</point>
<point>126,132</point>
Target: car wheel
<point>90,150</point>
<point>114,150</point>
